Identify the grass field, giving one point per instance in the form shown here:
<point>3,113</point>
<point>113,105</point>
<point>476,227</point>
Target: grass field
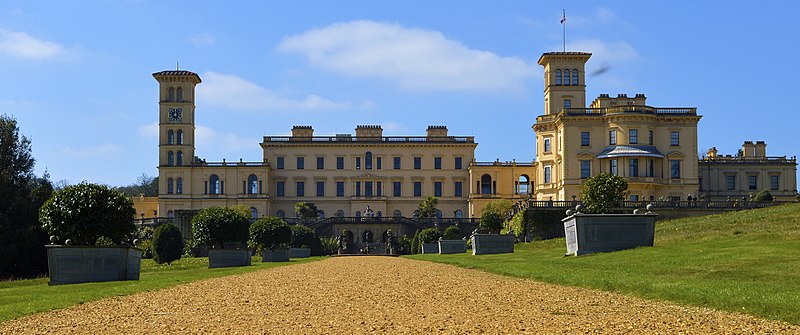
<point>746,261</point>
<point>22,297</point>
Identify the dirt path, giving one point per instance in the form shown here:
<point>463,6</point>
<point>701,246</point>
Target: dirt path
<point>362,295</point>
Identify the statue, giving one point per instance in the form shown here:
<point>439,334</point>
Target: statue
<point>390,243</point>
<point>369,213</point>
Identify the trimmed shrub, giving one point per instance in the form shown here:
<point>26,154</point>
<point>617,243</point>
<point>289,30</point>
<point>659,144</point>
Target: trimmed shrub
<point>167,244</point>
<point>215,226</point>
<point>85,212</point>
<point>429,235</point>
<point>452,233</point>
<point>491,222</point>
<point>763,196</point>
<point>604,192</point>
<point>270,233</point>
<point>302,237</point>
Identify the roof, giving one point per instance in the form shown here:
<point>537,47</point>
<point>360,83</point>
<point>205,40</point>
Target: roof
<point>630,151</point>
<point>177,73</point>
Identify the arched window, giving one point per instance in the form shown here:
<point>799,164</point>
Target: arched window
<point>459,214</point>
<point>566,77</point>
<point>170,214</point>
<point>340,213</point>
<point>213,184</point>
<point>180,158</point>
<point>574,77</point>
<point>252,184</point>
<point>378,214</point>
<point>179,186</point>
<point>486,184</point>
<point>321,214</point>
<point>438,214</point>
<point>170,137</point>
<point>180,94</point>
<point>180,136</point>
<point>253,213</point>
<point>280,213</point>
<point>523,185</point>
<point>397,213</point>
<point>368,160</point>
<point>558,77</point>
<point>169,186</point>
<point>171,94</point>
<point>358,214</point>
<point>170,158</point>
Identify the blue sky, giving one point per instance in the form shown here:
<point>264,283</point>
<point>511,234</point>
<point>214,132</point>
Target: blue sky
<point>78,78</point>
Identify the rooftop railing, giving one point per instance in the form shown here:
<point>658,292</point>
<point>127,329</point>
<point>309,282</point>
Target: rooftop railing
<point>687,111</point>
<point>743,159</point>
<point>356,139</point>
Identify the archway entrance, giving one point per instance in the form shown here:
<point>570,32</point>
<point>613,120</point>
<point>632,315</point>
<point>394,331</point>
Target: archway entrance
<point>367,236</point>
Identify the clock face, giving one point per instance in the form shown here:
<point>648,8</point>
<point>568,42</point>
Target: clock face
<point>175,114</point>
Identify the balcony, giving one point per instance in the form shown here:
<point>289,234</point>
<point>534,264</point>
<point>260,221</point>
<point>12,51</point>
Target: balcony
<point>667,111</point>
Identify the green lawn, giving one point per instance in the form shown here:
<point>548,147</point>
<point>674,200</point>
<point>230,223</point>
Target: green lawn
<point>746,261</point>
<point>22,297</point>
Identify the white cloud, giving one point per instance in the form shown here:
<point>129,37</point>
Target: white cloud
<point>604,54</point>
<point>97,151</point>
<point>22,45</point>
<point>603,14</point>
<point>208,138</point>
<point>203,39</point>
<point>234,92</point>
<point>149,130</point>
<point>415,59</point>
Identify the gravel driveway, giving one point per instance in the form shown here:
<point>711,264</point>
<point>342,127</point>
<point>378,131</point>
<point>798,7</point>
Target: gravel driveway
<point>361,295</point>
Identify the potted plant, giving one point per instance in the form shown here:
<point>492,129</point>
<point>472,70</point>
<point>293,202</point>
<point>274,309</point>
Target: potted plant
<point>452,242</point>
<point>271,236</point>
<point>94,221</point>
<point>488,239</point>
<point>224,231</point>
<point>429,240</point>
<point>301,242</point>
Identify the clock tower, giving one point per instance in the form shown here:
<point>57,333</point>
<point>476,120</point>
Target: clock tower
<point>176,125</point>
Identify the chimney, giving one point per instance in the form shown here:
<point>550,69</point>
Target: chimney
<point>437,131</point>
<point>369,132</point>
<point>712,153</point>
<point>640,99</point>
<point>300,133</point>
<point>761,149</point>
<point>748,149</point>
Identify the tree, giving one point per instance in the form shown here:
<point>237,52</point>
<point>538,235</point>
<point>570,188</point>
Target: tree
<point>763,196</point>
<point>427,208</point>
<point>145,185</point>
<point>167,244</point>
<point>604,192</point>
<point>215,226</point>
<point>270,233</point>
<point>306,210</point>
<point>501,207</point>
<point>491,221</point>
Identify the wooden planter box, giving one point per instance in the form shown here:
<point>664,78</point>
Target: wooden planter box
<point>82,264</point>
<point>590,233</point>
<point>299,252</point>
<point>278,255</point>
<point>492,244</point>
<point>452,246</point>
<point>430,248</point>
<point>223,258</point>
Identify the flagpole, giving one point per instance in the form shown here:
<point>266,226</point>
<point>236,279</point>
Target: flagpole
<point>564,26</point>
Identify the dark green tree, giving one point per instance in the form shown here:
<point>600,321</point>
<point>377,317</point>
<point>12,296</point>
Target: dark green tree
<point>167,244</point>
<point>604,192</point>
<point>763,196</point>
<point>306,210</point>
<point>270,233</point>
<point>452,233</point>
<point>302,237</point>
<point>215,226</point>
<point>427,208</point>
<point>491,222</point>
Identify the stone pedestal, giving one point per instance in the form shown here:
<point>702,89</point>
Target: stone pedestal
<point>590,233</point>
<point>452,246</point>
<point>430,248</point>
<point>223,258</point>
<point>81,264</point>
<point>279,255</point>
<point>492,244</point>
<point>299,252</point>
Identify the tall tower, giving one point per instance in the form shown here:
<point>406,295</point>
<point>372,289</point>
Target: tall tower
<point>564,80</point>
<point>176,125</point>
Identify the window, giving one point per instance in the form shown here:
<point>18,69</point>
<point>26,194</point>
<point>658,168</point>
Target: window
<point>566,77</point>
<point>574,77</point>
<point>458,162</point>
<point>170,158</point>
<point>180,137</point>
<point>179,94</point>
<point>378,163</point>
<point>612,168</point>
<point>253,213</point>
<point>397,188</point>
<point>214,185</point>
<point>339,188</point>
<point>280,214</point>
<point>752,182</point>
<point>171,94</point>
<point>523,184</point>
<point>612,137</point>
<point>459,189</point>
<point>180,158</point>
<point>320,163</point>
<point>170,214</point>
<point>633,167</point>
<point>675,169</point>
<point>367,188</point>
<point>417,163</point>
<point>279,163</point>
<point>170,186</point>
<point>340,163</point>
<point>280,188</point>
<point>486,184</point>
<point>437,163</point>
<point>437,189</point>
<point>585,139</point>
<point>730,182</point>
<point>358,163</point>
<point>459,214</point>
<point>633,136</point>
<point>301,188</point>
<point>773,183</point>
<point>558,77</point>
<point>650,168</point>
<point>179,186</point>
<point>396,161</point>
<point>397,213</point>
<point>368,161</point>
<point>674,138</point>
<point>546,145</point>
<point>547,174</point>
<point>321,214</point>
<point>301,163</point>
<point>650,137</point>
<point>358,188</point>
<point>320,188</point>
<point>417,188</point>
<point>567,103</point>
<point>634,197</point>
<point>170,137</point>
<point>378,189</point>
<point>586,169</point>
<point>340,213</point>
<point>252,184</point>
